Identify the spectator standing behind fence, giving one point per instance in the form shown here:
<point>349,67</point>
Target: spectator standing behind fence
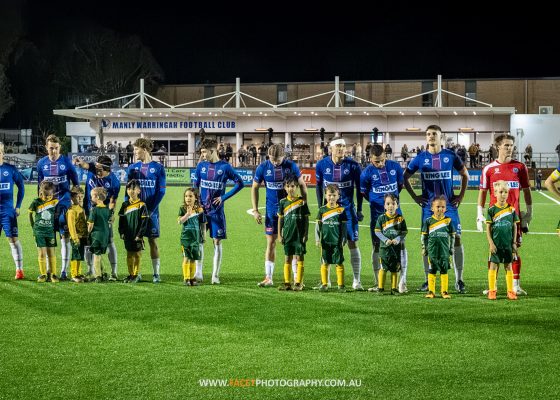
<point>262,152</point>
<point>492,153</point>
<point>229,152</point>
<point>404,153</point>
<point>558,151</point>
<point>388,151</point>
<point>472,155</point>
<point>253,151</point>
<point>129,152</point>
<point>528,154</point>
<point>462,153</point>
<point>359,153</point>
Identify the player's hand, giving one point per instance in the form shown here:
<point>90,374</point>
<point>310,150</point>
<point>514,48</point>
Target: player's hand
<point>424,251</point>
<point>493,248</point>
<point>138,239</point>
<point>388,242</point>
<point>258,217</point>
<point>514,248</point>
<point>17,212</point>
<point>480,222</point>
<point>528,216</point>
<point>122,236</point>
<point>305,239</point>
<point>360,216</point>
<point>456,201</point>
<point>280,239</point>
<point>112,203</point>
<point>77,161</point>
<point>217,201</point>
<point>317,243</point>
<point>421,201</point>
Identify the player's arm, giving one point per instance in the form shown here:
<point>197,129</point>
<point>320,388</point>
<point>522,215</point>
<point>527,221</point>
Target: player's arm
<point>514,244</point>
<point>424,238</point>
<point>83,164</point>
<point>18,180</point>
<point>280,226</point>
<point>71,216</point>
<point>72,173</point>
<point>303,188</point>
<point>550,182</point>
<point>365,184</point>
<point>161,183</point>
<point>464,174</point>
<point>40,175</point>
<point>319,185</point>
<point>305,228</point>
<point>143,225</point>
<point>238,185</point>
<point>417,199</point>
<point>255,202</point>
<point>359,196</point>
<point>31,222</point>
<point>122,222</point>
<point>402,234</point>
<point>318,227</point>
<point>489,236</point>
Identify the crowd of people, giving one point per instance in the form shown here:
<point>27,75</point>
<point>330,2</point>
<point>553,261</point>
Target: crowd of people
<point>84,218</point>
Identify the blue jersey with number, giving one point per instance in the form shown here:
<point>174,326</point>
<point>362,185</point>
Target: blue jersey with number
<point>211,179</point>
<point>273,177</point>
<point>436,173</point>
<point>152,183</point>
<point>345,175</point>
<point>10,176</point>
<point>60,172</point>
<point>375,183</point>
<point>111,183</point>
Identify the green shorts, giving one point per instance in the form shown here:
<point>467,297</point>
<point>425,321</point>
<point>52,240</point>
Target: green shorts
<point>294,249</point>
<point>98,247</point>
<point>134,246</point>
<point>502,256</point>
<point>190,251</point>
<point>45,241</point>
<point>332,254</point>
<point>440,264</point>
<point>78,250</point>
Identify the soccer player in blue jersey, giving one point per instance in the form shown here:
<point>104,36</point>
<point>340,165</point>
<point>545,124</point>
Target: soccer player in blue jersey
<point>436,167</point>
<point>378,179</point>
<point>151,176</point>
<point>210,178</point>
<point>10,176</point>
<point>273,172</point>
<point>59,170</point>
<point>100,175</point>
<point>345,173</point>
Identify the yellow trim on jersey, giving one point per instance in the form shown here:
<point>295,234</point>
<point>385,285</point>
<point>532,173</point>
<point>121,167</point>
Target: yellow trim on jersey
<point>439,224</point>
<point>503,213</point>
<point>133,207</point>
<point>555,176</point>
<point>45,206</point>
<point>397,219</point>
<point>293,206</point>
<point>333,212</point>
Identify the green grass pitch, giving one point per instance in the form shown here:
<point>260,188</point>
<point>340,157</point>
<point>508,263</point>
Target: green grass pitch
<point>120,340</point>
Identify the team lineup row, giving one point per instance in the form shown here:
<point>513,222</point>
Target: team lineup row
<point>380,178</point>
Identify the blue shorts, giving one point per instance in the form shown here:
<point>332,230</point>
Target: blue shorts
<point>352,224</point>
<point>8,221</point>
<point>216,223</point>
<point>60,222</point>
<point>153,226</point>
<point>451,212</point>
<point>271,223</point>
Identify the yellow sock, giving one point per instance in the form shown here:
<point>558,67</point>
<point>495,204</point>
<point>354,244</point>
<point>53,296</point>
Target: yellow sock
<point>79,268</point>
<point>299,274</point>
<point>287,273</point>
<point>324,274</point>
<point>97,266</point>
<point>130,264</point>
<point>52,263</point>
<point>432,283</point>
<point>340,275</point>
<point>444,278</point>
<point>492,279</point>
<point>74,268</point>
<point>394,280</point>
<point>192,269</point>
<point>42,266</point>
<point>509,280</point>
<point>186,270</point>
<point>137,260</point>
<point>381,278</point>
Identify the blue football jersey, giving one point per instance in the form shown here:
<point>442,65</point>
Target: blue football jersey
<point>211,179</point>
<point>375,183</point>
<point>60,172</point>
<point>436,173</point>
<point>111,183</point>
<point>10,176</point>
<point>152,183</point>
<point>274,177</point>
<point>345,175</point>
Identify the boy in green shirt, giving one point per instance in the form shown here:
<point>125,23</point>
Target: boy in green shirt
<point>98,228</point>
<point>438,237</point>
<point>293,225</point>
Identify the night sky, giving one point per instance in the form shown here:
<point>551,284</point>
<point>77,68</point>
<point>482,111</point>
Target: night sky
<point>284,43</point>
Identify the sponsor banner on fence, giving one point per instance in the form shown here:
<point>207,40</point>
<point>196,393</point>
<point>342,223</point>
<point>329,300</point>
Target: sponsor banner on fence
<point>178,175</point>
<point>474,178</point>
<point>308,175</point>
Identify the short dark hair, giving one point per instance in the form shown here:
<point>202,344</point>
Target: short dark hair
<point>76,190</point>
<point>390,196</point>
<point>500,138</point>
<point>291,179</point>
<point>441,197</point>
<point>434,127</point>
<point>331,187</point>
<point>377,150</point>
<point>105,162</point>
<point>133,183</point>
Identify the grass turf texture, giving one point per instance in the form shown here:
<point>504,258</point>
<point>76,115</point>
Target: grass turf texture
<point>120,340</point>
